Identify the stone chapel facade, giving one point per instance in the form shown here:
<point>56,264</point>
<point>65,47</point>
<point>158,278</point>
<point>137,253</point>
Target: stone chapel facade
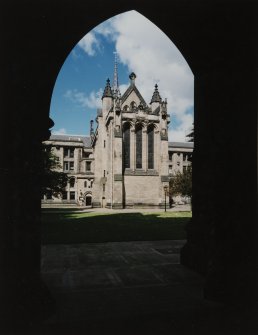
<point>131,147</point>
<point>127,161</point>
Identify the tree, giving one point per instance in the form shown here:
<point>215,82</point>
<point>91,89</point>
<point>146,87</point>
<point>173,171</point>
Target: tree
<point>52,179</point>
<point>181,183</point>
<point>190,135</point>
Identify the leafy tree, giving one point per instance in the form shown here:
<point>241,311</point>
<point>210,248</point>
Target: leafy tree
<point>191,135</point>
<point>52,179</point>
<point>181,183</point>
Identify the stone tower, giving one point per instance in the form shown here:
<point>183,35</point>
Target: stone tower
<point>130,149</point>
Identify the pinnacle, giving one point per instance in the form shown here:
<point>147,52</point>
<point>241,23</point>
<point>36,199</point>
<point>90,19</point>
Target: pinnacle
<point>156,96</point>
<point>107,90</point>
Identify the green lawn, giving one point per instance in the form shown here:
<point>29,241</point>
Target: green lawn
<point>70,227</point>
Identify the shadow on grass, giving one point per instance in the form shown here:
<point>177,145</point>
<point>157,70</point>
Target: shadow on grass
<point>69,228</point>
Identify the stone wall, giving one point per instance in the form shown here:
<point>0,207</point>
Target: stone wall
<point>142,191</point>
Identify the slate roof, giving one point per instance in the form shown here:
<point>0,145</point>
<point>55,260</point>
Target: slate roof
<point>86,140</point>
<point>188,145</point>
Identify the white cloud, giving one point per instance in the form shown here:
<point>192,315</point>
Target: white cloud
<point>148,52</point>
<point>123,88</point>
<point>93,100</point>
<point>178,133</point>
<point>61,131</point>
<point>89,44</point>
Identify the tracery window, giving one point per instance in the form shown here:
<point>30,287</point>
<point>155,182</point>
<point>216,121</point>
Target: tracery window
<point>138,133</point>
<point>151,147</point>
<point>127,145</point>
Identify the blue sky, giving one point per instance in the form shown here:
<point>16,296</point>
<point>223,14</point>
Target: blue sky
<point>142,48</point>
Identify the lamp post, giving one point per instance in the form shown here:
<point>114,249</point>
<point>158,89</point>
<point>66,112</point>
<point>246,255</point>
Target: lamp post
<point>165,190</point>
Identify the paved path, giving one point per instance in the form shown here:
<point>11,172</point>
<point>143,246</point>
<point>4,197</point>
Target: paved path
<point>112,265</point>
<point>131,288</point>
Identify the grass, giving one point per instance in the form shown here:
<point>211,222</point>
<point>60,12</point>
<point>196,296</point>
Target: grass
<point>67,227</point>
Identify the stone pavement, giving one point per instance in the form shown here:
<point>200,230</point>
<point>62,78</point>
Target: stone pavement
<point>130,288</point>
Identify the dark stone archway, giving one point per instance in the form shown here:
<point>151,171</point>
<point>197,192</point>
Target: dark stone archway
<point>218,39</point>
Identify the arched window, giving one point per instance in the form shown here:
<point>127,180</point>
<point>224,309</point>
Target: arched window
<point>151,147</point>
<point>127,145</point>
<point>138,133</point>
<point>133,105</point>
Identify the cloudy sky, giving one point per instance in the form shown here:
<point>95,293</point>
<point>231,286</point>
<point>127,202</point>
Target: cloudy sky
<point>142,48</point>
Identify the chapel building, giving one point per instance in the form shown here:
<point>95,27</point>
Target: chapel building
<point>131,147</point>
<point>127,161</point>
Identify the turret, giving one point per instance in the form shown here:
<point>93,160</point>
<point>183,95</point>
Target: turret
<point>107,98</point>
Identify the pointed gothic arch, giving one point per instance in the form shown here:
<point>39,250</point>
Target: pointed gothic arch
<point>151,139</point>
<point>218,232</point>
<point>126,145</point>
<point>138,145</point>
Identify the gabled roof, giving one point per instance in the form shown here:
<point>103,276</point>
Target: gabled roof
<point>130,89</point>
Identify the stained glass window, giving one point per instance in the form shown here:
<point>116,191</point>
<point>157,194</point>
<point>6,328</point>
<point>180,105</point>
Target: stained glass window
<point>139,147</point>
<point>127,145</point>
<point>151,147</point>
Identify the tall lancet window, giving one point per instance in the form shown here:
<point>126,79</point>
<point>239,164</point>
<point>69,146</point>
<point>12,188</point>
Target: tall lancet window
<point>138,133</point>
<point>151,147</point>
<point>127,145</point>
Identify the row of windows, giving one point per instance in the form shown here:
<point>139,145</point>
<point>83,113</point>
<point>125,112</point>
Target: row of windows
<point>72,183</point>
<point>185,155</point>
<point>69,166</point>
<point>65,195</point>
<point>69,153</point>
<point>138,144</point>
<point>49,195</point>
<point>132,106</point>
<point>170,168</point>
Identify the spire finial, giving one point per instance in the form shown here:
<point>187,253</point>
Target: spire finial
<point>115,83</point>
